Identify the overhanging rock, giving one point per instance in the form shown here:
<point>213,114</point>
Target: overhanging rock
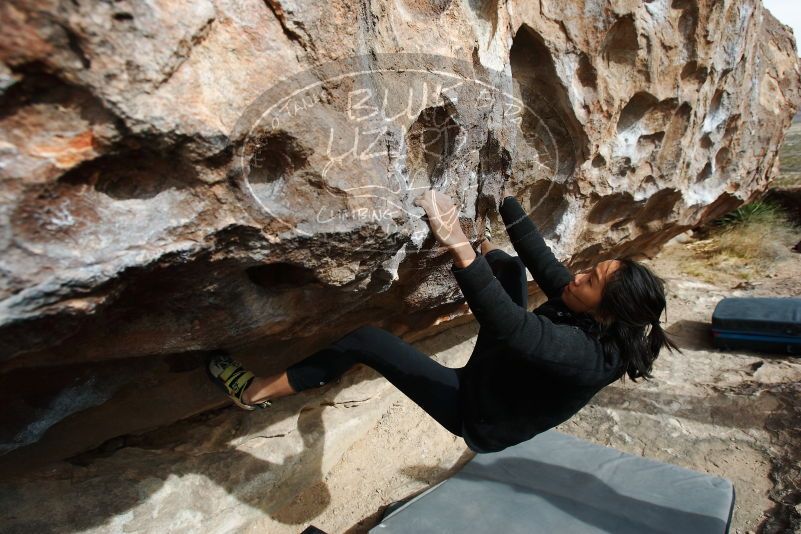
<point>154,209</point>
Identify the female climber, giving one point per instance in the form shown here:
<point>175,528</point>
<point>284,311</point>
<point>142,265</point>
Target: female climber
<point>529,370</point>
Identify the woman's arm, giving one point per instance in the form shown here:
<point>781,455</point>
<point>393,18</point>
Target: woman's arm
<point>549,273</point>
<point>564,349</point>
<point>463,255</point>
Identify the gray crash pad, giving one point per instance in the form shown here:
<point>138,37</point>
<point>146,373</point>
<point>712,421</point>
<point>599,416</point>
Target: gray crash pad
<point>559,483</point>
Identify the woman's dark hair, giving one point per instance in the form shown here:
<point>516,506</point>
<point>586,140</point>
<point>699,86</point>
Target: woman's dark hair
<point>631,304</point>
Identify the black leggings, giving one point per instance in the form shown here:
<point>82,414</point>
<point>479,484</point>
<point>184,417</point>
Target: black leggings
<point>432,386</point>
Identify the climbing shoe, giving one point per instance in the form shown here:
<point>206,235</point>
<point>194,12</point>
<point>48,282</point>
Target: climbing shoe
<point>232,377</point>
<point>487,229</point>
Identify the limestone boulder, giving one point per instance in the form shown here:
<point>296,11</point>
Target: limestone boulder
<point>182,176</point>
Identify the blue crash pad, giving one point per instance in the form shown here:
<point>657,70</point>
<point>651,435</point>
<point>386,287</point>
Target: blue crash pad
<point>559,483</point>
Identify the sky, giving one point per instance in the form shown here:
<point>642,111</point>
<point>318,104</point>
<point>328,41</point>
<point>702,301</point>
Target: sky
<point>788,12</point>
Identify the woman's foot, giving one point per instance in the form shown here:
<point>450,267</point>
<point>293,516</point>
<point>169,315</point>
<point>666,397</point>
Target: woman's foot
<point>487,244</point>
<point>233,379</point>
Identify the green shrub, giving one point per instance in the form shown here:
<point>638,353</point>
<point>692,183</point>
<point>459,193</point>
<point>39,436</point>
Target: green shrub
<point>759,211</point>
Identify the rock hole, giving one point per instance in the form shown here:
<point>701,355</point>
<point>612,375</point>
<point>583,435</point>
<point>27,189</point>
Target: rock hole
<point>658,207</point>
<point>621,45</point>
<point>280,275</point>
<point>139,174</point>
<point>598,162</point>
<point>74,43</point>
<point>586,257</point>
<point>548,205</point>
<point>587,74</point>
<point>688,22</point>
<point>650,142</point>
<point>717,102</point>
<point>705,173</point>
<point>647,113</point>
<point>649,180</point>
<point>613,208</point>
<point>617,225</point>
<point>706,142</point>
<point>694,73</point>
<point>687,25</point>
<point>274,157</point>
<point>621,166</point>
<point>671,152</point>
<point>732,127</point>
<point>654,138</point>
<point>39,87</point>
<point>548,124</point>
<point>633,112</point>
<point>122,16</point>
<point>282,185</point>
<point>493,171</point>
<point>476,59</point>
<point>431,141</point>
<point>722,159</point>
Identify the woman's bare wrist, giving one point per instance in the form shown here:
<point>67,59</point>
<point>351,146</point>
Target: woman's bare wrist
<point>463,253</point>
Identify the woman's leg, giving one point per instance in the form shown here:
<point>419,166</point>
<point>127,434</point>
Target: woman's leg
<point>267,387</point>
<point>432,386</point>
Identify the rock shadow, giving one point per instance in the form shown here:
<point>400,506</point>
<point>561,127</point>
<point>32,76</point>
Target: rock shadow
<point>140,174</point>
<point>580,495</point>
<point>430,475</point>
<point>549,478</point>
<point>722,407</point>
<point>134,471</point>
<point>127,471</point>
<point>432,141</point>
<point>691,335</point>
<point>548,124</point>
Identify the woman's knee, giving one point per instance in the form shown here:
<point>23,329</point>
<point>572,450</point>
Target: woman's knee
<point>370,345</point>
<point>364,336</point>
<point>369,333</point>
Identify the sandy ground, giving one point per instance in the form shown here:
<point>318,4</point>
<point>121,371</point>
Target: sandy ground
<point>736,415</point>
<point>754,399</point>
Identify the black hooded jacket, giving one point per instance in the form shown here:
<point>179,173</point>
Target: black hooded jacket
<point>530,370</point>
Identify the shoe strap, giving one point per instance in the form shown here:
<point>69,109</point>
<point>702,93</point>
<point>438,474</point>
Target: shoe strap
<point>238,381</point>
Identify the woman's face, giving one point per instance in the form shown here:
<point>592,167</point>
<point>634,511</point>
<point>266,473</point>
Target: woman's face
<point>583,294</point>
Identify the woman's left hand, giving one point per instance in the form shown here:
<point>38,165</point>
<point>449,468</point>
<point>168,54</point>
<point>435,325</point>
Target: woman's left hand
<point>443,217</point>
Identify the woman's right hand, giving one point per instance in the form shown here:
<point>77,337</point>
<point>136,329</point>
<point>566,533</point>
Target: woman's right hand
<point>443,218</point>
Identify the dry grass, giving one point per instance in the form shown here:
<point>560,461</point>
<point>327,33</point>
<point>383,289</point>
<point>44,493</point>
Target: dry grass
<point>746,244</point>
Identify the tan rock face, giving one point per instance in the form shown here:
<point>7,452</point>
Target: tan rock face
<point>153,209</point>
